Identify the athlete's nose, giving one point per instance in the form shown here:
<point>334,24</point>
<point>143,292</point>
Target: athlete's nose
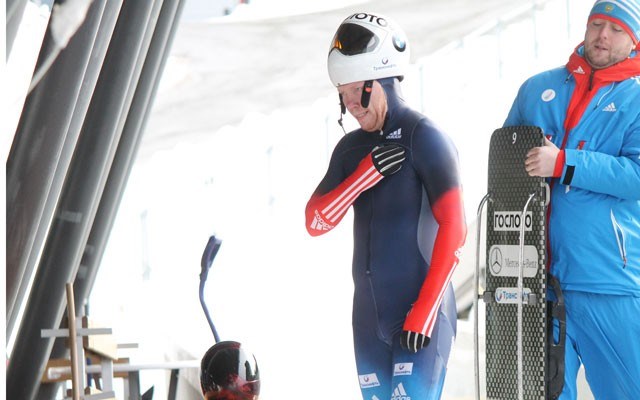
<point>351,101</point>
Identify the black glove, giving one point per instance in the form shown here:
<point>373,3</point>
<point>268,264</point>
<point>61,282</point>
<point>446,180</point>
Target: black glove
<point>388,158</point>
<point>413,341</point>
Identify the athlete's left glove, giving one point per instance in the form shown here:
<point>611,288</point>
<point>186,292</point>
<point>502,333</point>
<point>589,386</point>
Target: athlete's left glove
<point>413,341</point>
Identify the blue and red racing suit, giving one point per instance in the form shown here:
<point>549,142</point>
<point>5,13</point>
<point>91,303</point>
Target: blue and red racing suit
<point>408,228</point>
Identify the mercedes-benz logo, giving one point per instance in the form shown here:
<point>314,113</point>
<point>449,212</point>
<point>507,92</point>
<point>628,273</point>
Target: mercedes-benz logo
<point>495,260</point>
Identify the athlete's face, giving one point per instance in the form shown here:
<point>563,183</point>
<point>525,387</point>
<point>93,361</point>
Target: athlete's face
<point>371,119</point>
<point>606,43</point>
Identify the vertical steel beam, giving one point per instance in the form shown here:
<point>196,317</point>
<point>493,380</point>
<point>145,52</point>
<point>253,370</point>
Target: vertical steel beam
<point>78,203</point>
<point>42,149</point>
<point>159,49</point>
<point>14,11</point>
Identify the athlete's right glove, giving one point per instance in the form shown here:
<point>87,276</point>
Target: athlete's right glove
<point>388,158</point>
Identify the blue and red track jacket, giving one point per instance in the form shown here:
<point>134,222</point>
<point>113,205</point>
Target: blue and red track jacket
<point>408,227</point>
<point>594,214</point>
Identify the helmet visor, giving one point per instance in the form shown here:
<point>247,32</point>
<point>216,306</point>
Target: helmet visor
<point>352,39</point>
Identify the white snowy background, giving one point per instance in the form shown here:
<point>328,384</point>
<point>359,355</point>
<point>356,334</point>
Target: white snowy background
<point>283,294</point>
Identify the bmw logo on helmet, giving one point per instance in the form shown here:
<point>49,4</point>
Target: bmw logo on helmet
<point>399,42</point>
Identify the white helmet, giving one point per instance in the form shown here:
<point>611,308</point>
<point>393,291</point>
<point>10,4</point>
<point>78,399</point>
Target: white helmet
<point>367,47</point>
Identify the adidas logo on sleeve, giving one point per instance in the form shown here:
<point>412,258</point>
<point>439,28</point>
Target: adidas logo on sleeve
<point>399,393</point>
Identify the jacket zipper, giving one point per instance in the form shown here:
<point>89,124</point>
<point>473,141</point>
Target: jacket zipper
<point>619,232</point>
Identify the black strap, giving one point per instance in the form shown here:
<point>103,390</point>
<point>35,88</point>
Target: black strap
<point>568,176</point>
<point>366,93</point>
<point>555,350</point>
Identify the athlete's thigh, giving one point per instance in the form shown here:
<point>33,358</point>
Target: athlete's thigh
<point>421,375</point>
<point>373,362</point>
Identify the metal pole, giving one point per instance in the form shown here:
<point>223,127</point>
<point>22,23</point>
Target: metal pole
<point>41,152</point>
<point>99,49</point>
<point>73,346</point>
<point>14,11</point>
<point>77,206</point>
<point>521,299</point>
<point>154,60</point>
<point>476,291</point>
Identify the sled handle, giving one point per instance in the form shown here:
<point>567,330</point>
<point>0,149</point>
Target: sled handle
<point>476,290</point>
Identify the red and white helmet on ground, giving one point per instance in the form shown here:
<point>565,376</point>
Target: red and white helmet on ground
<point>229,372</point>
<point>367,47</point>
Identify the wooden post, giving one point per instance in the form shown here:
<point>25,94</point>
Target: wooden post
<point>71,314</point>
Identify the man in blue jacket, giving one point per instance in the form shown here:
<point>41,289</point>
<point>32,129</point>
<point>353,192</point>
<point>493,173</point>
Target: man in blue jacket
<point>589,110</point>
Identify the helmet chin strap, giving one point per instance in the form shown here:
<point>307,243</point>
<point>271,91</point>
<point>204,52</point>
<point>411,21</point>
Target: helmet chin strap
<point>364,101</point>
<point>343,110</point>
<point>366,93</point>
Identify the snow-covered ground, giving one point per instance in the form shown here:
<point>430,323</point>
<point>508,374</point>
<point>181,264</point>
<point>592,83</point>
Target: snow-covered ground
<point>283,294</point>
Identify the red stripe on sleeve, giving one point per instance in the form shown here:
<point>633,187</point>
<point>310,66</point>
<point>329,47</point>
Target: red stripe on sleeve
<point>325,211</point>
<point>448,211</point>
